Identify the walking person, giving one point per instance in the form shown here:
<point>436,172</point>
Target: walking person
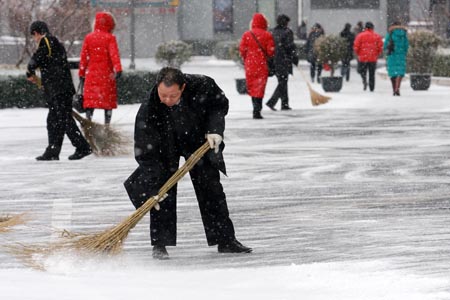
<point>285,56</point>
<point>368,46</point>
<point>396,46</point>
<point>316,32</point>
<point>349,38</point>
<point>181,113</point>
<point>100,67</point>
<point>51,58</point>
<point>256,44</point>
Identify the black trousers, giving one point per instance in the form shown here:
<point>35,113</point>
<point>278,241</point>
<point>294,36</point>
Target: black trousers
<point>60,122</point>
<point>371,67</point>
<point>212,203</point>
<point>315,65</point>
<point>281,91</point>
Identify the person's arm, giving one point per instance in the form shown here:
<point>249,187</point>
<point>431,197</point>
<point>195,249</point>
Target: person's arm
<point>113,50</point>
<point>243,48</point>
<point>84,58</point>
<point>291,48</point>
<point>270,46</point>
<point>38,59</point>
<point>216,104</point>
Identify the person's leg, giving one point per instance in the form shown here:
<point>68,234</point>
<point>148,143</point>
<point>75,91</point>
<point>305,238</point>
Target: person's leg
<point>372,68</point>
<point>257,107</point>
<point>284,92</point>
<point>398,81</point>
<point>108,116</point>
<point>312,70</point>
<point>54,146</point>
<point>319,72</point>
<point>363,73</point>
<point>275,96</point>
<point>393,85</point>
<point>89,113</point>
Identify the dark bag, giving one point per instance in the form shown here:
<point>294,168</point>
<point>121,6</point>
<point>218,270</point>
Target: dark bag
<point>390,46</point>
<point>77,100</point>
<point>270,61</point>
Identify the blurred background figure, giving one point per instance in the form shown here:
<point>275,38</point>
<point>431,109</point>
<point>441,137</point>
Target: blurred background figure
<point>359,27</point>
<point>255,44</point>
<point>285,56</point>
<point>100,67</point>
<point>396,46</point>
<point>349,37</point>
<point>316,32</point>
<point>302,33</point>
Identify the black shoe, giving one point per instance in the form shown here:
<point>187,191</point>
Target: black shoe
<point>318,80</point>
<point>79,154</point>
<point>47,157</point>
<point>286,108</point>
<point>271,106</point>
<point>160,252</point>
<point>365,85</point>
<point>397,93</point>
<point>257,116</point>
<point>233,247</point>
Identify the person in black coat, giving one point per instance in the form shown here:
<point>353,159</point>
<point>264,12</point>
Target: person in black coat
<point>285,56</point>
<point>316,32</point>
<point>349,37</point>
<point>181,113</point>
<point>51,59</point>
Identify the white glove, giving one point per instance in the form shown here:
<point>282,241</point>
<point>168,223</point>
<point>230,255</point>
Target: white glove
<point>157,207</point>
<point>214,141</point>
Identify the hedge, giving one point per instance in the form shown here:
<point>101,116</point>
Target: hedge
<point>16,91</point>
<point>441,66</point>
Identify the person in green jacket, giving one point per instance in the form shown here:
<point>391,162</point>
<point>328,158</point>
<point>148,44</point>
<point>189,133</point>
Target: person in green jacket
<point>396,48</point>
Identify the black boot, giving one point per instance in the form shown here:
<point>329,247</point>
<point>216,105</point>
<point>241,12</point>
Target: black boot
<point>160,252</point>
<point>79,154</point>
<point>257,107</point>
<point>393,85</point>
<point>233,246</point>
<point>51,153</point>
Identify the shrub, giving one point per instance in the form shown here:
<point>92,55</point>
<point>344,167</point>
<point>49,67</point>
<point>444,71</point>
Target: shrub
<point>16,91</point>
<point>422,51</point>
<point>441,66</point>
<point>222,49</point>
<point>330,50</point>
<point>173,53</point>
<point>235,55</point>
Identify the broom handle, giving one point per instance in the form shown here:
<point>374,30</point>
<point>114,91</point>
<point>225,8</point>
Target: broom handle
<point>188,165</point>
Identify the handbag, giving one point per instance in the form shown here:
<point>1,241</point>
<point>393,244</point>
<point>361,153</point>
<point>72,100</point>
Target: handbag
<point>390,46</point>
<point>270,61</point>
<point>77,100</point>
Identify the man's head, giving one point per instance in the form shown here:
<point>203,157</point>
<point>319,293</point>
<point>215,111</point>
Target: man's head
<point>170,83</point>
<point>283,20</point>
<point>38,29</point>
<point>369,25</point>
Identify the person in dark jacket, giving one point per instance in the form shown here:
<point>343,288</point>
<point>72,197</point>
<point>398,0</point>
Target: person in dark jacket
<point>349,37</point>
<point>316,32</point>
<point>182,112</point>
<point>285,56</point>
<point>51,59</point>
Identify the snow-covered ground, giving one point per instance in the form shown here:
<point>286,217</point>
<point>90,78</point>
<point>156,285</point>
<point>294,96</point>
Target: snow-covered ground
<point>348,200</point>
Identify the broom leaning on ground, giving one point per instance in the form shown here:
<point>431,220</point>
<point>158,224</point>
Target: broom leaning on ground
<point>109,241</point>
<point>6,222</point>
<point>104,140</point>
<point>316,98</point>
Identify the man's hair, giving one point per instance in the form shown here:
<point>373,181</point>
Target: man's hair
<point>283,20</point>
<point>39,27</point>
<point>369,25</point>
<point>170,76</point>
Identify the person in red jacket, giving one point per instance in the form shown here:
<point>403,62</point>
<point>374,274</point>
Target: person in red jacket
<point>100,67</point>
<point>256,71</point>
<point>368,46</point>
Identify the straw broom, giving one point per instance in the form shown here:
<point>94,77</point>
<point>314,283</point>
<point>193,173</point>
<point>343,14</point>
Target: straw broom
<point>316,98</point>
<point>109,241</point>
<point>104,140</point>
<point>6,222</point>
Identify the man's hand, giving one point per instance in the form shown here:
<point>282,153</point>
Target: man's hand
<point>118,75</point>
<point>159,200</point>
<point>214,141</point>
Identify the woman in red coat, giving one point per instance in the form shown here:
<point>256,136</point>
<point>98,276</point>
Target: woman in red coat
<point>256,71</point>
<point>100,67</point>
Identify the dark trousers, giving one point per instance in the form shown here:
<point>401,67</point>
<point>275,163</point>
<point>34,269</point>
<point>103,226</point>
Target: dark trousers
<point>315,65</point>
<point>212,203</point>
<point>345,69</point>
<point>281,92</point>
<point>60,122</point>
<point>371,67</point>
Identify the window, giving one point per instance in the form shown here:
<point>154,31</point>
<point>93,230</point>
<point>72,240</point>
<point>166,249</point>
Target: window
<point>345,4</point>
<point>223,15</point>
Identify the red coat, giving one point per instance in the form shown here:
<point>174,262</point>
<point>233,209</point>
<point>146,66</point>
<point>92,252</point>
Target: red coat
<point>368,46</point>
<point>99,60</point>
<point>256,71</point>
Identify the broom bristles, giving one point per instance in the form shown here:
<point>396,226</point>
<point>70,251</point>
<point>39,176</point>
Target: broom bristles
<point>104,140</point>
<point>109,241</point>
<point>6,222</point>
<point>316,98</point>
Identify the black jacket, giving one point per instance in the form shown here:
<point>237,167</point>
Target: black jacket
<point>163,134</point>
<point>51,59</point>
<point>349,39</point>
<point>285,50</point>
